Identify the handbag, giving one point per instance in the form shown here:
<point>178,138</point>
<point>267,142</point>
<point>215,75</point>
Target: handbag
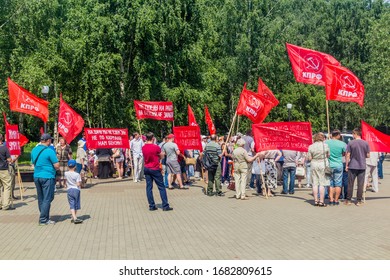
<point>232,186</point>
<point>328,170</point>
<point>190,161</point>
<point>300,171</point>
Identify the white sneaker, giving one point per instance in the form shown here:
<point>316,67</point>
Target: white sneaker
<point>135,181</point>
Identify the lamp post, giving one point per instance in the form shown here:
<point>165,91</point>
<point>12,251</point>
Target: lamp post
<point>289,106</point>
<point>45,91</point>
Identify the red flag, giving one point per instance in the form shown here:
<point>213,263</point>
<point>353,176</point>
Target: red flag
<point>21,100</point>
<point>70,123</point>
<point>250,105</point>
<point>342,85</point>
<point>378,141</point>
<point>209,121</point>
<point>23,140</point>
<point>154,110</point>
<point>268,99</point>
<point>191,117</point>
<point>294,136</point>
<point>12,137</point>
<point>188,138</point>
<point>308,65</point>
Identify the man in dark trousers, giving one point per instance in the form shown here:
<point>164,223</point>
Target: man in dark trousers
<point>355,158</point>
<point>45,164</point>
<point>214,151</point>
<point>152,155</point>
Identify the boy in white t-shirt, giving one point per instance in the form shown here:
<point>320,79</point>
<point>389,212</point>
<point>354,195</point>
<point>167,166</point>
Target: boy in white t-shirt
<point>73,184</point>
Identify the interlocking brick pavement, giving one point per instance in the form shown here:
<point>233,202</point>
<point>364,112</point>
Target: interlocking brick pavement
<point>118,225</point>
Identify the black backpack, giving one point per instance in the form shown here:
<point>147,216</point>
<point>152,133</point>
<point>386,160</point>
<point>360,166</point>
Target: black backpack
<point>208,162</point>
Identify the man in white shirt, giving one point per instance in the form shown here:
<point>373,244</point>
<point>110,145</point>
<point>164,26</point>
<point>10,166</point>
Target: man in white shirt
<point>136,149</point>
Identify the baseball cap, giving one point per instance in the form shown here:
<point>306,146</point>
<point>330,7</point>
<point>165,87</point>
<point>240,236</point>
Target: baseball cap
<point>45,137</point>
<point>171,136</point>
<point>72,163</point>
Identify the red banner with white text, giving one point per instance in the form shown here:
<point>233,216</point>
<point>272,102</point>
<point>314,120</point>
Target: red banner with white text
<point>308,65</point>
<point>296,136</point>
<point>107,138</point>
<point>70,124</point>
<point>342,85</point>
<point>12,139</point>
<point>156,110</point>
<point>378,141</point>
<point>187,137</point>
<point>21,100</point>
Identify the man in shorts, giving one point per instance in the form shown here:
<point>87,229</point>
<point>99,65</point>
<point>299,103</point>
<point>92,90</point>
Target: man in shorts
<point>171,150</point>
<point>337,151</point>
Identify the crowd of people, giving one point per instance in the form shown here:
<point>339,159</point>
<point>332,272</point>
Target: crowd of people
<point>330,168</point>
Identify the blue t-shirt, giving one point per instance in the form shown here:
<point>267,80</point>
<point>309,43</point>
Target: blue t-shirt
<point>44,168</point>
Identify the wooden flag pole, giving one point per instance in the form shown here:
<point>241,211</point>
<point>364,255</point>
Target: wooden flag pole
<point>327,117</point>
<point>264,187</point>
<point>238,124</point>
<point>139,128</point>
<point>21,188</point>
<point>230,131</point>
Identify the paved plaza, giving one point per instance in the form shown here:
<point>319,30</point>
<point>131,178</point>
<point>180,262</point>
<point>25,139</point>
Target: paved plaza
<point>118,225</point>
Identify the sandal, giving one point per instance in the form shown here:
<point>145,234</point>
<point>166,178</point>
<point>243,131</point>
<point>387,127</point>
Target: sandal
<point>321,204</point>
<point>316,203</point>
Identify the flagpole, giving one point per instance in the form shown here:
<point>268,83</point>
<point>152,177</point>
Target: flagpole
<point>230,130</point>
<point>139,128</point>
<point>238,123</point>
<point>327,117</point>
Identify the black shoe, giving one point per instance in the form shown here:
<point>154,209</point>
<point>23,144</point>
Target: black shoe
<point>210,194</point>
<point>220,194</point>
<point>153,208</point>
<point>283,193</point>
<point>78,221</point>
<point>291,192</point>
<point>168,209</point>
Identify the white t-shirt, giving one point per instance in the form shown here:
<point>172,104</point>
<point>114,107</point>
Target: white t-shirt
<point>72,178</point>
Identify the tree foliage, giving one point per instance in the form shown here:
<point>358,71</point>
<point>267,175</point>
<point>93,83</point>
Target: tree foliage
<point>102,55</point>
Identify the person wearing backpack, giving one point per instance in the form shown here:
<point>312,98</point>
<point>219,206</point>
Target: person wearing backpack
<point>211,158</point>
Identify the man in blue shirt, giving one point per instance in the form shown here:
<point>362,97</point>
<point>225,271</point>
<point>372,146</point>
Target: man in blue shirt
<point>45,164</point>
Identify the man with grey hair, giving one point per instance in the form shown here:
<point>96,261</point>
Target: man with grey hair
<point>45,165</point>
<point>241,161</point>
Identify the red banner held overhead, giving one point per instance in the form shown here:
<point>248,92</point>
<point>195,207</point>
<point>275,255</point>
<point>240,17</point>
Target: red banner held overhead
<point>70,124</point>
<point>308,65</point>
<point>250,105</point>
<point>191,117</point>
<point>12,139</point>
<point>187,137</point>
<point>378,141</point>
<point>209,121</point>
<point>156,110</point>
<point>107,138</point>
<point>21,100</point>
<point>342,85</point>
<point>294,136</point>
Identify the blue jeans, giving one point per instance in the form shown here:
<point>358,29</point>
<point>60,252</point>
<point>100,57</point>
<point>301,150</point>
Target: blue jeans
<point>256,177</point>
<point>286,172</point>
<point>225,170</point>
<point>380,166</point>
<point>345,183</point>
<point>45,192</point>
<point>156,176</point>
